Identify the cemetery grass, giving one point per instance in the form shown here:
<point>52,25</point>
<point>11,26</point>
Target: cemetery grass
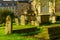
<point>16,36</point>
<point>20,36</point>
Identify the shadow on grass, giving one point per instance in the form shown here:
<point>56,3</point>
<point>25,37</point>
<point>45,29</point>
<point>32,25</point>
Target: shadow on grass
<point>46,24</point>
<point>57,22</point>
<point>54,33</point>
<point>27,31</point>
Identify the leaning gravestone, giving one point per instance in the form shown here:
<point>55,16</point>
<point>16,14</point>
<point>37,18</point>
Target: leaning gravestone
<point>8,25</point>
<point>54,33</point>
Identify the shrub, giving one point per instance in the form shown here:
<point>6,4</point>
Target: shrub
<point>4,13</point>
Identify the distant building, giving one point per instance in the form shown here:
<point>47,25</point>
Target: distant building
<point>11,4</point>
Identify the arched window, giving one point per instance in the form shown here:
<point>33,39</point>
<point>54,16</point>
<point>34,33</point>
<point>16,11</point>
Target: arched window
<point>45,6</point>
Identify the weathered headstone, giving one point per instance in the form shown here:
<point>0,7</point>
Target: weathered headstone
<point>8,25</point>
<point>22,18</point>
<point>36,23</point>
<point>32,23</point>
<point>16,20</point>
<point>53,19</point>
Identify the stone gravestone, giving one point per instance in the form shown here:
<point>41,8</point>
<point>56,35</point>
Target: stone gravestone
<point>8,29</point>
<point>54,33</point>
<point>32,23</point>
<point>22,20</point>
<point>16,21</point>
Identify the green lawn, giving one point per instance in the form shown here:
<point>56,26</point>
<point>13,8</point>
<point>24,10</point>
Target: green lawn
<point>17,36</point>
<point>21,36</point>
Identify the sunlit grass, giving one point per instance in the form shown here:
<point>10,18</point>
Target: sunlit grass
<point>21,36</point>
<point>15,36</point>
<point>22,26</point>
